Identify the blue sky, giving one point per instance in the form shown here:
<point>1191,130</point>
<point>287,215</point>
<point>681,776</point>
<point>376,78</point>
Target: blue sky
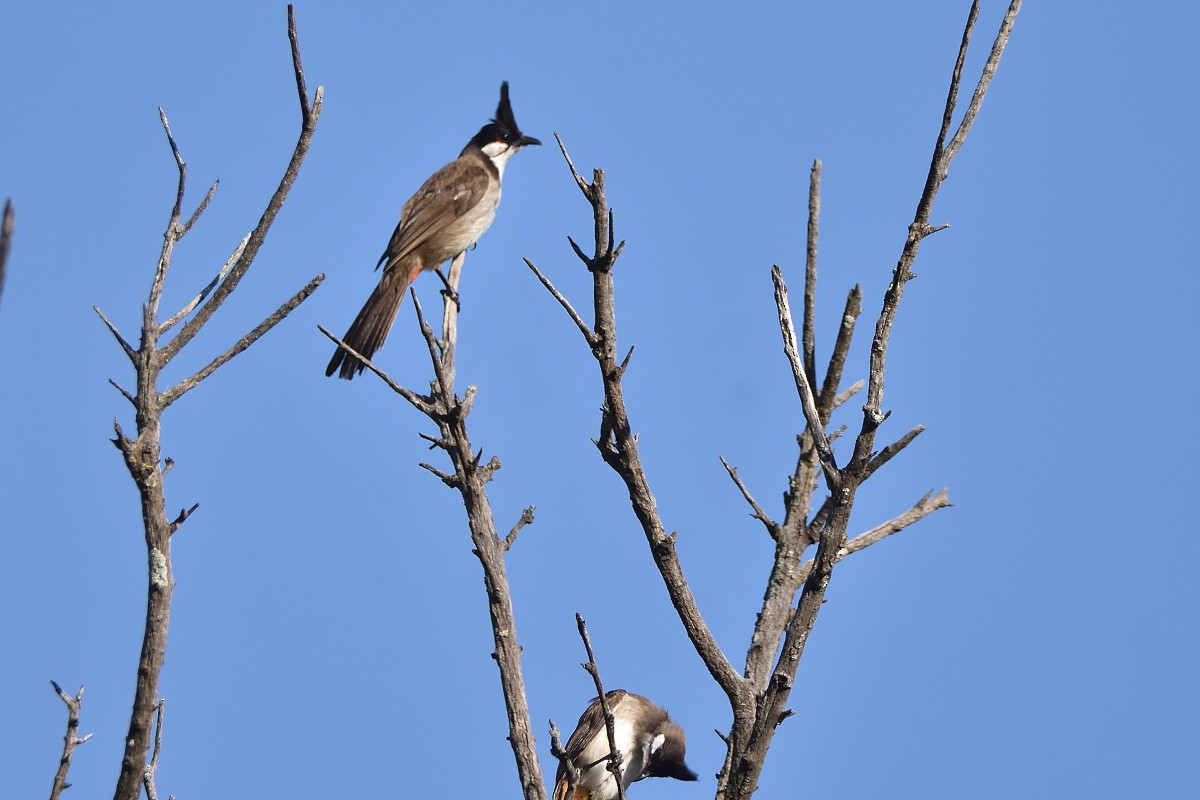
<point>329,631</point>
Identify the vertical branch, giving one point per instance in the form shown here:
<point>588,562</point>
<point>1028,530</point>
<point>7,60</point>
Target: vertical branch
<point>615,756</point>
<point>141,452</point>
<point>748,755</point>
<point>450,316</point>
<point>939,167</point>
<point>810,273</point>
<point>617,443</point>
<point>758,700</point>
<point>308,126</point>
<point>6,233</point>
<point>70,739</point>
<point>152,768</point>
<point>470,477</point>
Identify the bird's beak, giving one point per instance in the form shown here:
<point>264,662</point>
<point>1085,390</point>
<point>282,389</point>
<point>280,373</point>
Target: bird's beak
<point>524,140</point>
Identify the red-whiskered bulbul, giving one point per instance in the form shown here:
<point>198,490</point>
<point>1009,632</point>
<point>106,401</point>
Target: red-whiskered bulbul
<point>652,745</point>
<point>444,218</point>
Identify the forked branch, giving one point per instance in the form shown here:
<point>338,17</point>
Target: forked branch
<point>70,740</point>
<point>469,476</point>
<point>758,698</point>
<point>142,453</point>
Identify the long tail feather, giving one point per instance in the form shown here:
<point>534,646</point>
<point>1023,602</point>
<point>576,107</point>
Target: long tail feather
<point>370,328</point>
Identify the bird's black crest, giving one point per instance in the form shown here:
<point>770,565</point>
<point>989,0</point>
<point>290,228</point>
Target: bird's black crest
<point>503,127</point>
<point>504,113</point>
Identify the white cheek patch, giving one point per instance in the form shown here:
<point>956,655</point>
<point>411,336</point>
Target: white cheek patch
<point>499,153</point>
<point>657,743</point>
<point>493,149</point>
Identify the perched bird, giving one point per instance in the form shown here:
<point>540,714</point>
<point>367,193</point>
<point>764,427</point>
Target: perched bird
<point>444,218</point>
<point>652,745</point>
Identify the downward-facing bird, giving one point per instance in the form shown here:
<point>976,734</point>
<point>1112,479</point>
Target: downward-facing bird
<point>444,218</point>
<point>652,745</point>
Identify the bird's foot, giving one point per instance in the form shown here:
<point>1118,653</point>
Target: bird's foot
<point>448,292</point>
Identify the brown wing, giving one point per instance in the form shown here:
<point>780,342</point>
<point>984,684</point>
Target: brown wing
<point>590,725</point>
<point>448,194</point>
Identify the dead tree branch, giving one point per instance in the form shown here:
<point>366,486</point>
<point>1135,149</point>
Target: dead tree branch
<point>142,453</point>
<point>469,477</point>
<point>749,754</point>
<point>152,767</point>
<point>758,698</point>
<point>6,234</point>
<point>615,756</point>
<point>70,739</point>
<point>617,443</point>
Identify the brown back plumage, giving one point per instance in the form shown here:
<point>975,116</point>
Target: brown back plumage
<point>638,724</point>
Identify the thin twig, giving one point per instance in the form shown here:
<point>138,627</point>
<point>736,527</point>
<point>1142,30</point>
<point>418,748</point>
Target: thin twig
<point>928,504</point>
<point>808,400</point>
<point>419,402</point>
<point>183,312</point>
<point>6,235</point>
<point>579,181</point>
<point>171,235</point>
<point>569,769</point>
<point>152,767</point>
<point>129,351</point>
<point>808,339</point>
<point>587,332</point>
<point>759,513</point>
<point>187,226</point>
<point>298,69</point>
<point>892,450</point>
<point>70,739</point>
<point>526,519</point>
<point>985,80</point>
<point>187,384</point>
<point>308,126</point>
<point>829,397</point>
<point>615,756</point>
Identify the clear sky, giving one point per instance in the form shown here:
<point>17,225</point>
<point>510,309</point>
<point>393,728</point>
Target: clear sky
<point>330,636</point>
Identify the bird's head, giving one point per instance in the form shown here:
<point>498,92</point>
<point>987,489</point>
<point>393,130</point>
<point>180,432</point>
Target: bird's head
<point>501,137</point>
<point>666,760</point>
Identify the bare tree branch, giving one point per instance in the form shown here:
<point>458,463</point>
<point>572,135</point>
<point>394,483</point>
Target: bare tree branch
<point>928,504</point>
<point>809,339</point>
<point>129,351</point>
<point>758,700</point>
<point>187,384</point>
<point>206,291</point>
<point>749,754</point>
<point>759,513</point>
<point>142,454</point>
<point>70,739</point>
<point>615,756</point>
<point>618,444</point>
<point>470,477</point>
<point>308,126</point>
<point>526,519</point>
<point>570,769</point>
<point>152,767</point>
<point>808,398</point>
<point>888,453</point>
<point>985,80</point>
<point>212,190</point>
<point>6,234</point>
<point>829,398</point>
<point>587,332</point>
